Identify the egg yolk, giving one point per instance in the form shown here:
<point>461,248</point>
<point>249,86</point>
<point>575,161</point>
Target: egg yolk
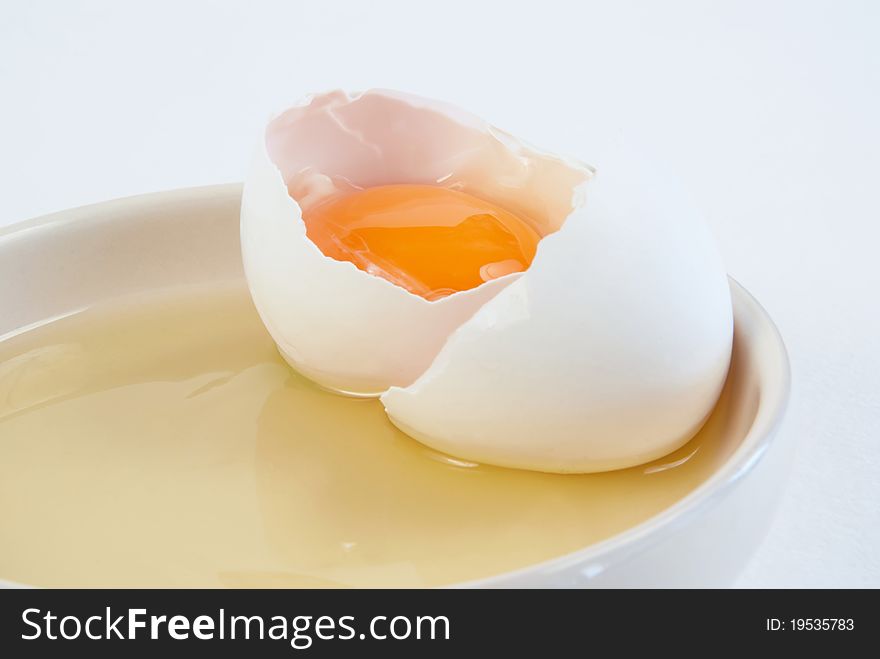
<point>429,240</point>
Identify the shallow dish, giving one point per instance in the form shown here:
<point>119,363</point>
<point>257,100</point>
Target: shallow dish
<point>56,266</point>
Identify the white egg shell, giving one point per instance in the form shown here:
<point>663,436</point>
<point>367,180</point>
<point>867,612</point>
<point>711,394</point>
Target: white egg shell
<point>348,330</point>
<point>610,351</point>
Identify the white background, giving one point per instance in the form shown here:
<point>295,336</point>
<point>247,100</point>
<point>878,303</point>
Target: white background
<point>768,110</point>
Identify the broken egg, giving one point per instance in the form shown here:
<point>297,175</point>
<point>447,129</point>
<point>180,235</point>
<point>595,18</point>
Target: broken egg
<point>509,307</point>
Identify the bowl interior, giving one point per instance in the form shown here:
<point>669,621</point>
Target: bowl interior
<point>58,265</point>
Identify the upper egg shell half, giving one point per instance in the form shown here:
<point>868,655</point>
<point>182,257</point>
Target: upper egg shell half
<point>610,351</point>
<point>345,329</point>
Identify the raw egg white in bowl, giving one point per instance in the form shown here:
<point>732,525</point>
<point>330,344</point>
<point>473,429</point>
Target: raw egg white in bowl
<point>608,350</point>
<point>197,472</point>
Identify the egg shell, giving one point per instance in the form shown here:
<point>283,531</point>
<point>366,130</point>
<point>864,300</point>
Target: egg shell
<point>610,351</point>
<point>346,329</point>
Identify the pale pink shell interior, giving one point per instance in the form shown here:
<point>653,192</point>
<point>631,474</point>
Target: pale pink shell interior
<point>336,142</point>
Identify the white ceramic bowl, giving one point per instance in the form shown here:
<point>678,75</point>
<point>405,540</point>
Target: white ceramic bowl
<point>58,264</point>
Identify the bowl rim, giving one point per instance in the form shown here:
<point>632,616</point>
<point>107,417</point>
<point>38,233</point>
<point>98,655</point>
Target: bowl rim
<point>636,539</point>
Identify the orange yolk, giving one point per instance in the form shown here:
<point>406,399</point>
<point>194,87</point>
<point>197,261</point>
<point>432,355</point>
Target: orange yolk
<point>429,240</point>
